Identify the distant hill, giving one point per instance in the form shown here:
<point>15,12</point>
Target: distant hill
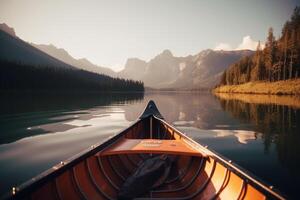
<point>47,56</point>
<point>64,56</point>
<point>202,70</point>
<point>14,49</point>
<point>26,68</point>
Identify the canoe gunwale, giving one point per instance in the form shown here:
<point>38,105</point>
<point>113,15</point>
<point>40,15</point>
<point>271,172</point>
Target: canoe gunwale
<point>61,167</point>
<point>233,167</point>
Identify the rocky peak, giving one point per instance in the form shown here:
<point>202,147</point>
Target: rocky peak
<point>134,62</point>
<point>166,53</point>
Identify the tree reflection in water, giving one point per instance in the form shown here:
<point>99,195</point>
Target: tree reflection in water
<point>276,117</point>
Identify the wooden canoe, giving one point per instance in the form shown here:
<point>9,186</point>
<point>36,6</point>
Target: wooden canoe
<point>100,171</point>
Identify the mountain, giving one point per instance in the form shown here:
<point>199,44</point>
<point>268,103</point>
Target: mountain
<point>165,70</point>
<point>16,50</point>
<point>205,69</point>
<point>50,50</point>
<point>4,27</point>
<point>64,56</point>
<point>26,68</point>
<point>202,70</point>
<point>162,70</point>
<point>135,68</point>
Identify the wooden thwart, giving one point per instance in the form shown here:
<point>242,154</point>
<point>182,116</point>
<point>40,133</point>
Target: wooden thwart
<point>155,146</point>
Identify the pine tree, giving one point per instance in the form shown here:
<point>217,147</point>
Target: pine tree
<point>259,64</point>
<point>285,41</point>
<point>292,48</point>
<point>295,40</point>
<point>270,53</point>
<point>248,73</point>
<point>280,59</point>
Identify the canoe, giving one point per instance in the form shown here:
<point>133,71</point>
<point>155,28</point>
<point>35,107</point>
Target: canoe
<point>148,160</point>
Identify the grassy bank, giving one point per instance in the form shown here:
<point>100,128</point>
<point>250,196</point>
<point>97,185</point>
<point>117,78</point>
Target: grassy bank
<point>285,100</point>
<point>288,87</point>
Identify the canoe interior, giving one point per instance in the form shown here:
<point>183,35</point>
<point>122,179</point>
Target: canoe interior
<point>97,176</point>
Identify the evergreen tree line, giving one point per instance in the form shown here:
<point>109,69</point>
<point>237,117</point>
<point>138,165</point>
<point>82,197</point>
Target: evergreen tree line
<point>279,60</point>
<point>17,76</point>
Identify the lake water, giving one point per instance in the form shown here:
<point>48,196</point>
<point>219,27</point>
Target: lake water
<point>259,133</point>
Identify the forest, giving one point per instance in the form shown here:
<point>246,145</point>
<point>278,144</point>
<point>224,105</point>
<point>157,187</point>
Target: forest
<point>278,60</point>
<point>20,77</point>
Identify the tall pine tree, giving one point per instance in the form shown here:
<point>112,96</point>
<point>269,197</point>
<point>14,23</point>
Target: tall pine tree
<point>270,51</point>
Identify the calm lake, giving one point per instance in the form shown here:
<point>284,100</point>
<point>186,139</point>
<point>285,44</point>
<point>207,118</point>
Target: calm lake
<point>259,133</point>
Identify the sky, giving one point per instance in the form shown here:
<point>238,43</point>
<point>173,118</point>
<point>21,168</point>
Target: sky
<point>108,32</point>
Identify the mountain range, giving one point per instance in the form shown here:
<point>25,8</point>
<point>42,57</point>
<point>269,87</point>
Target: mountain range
<point>164,71</point>
<point>202,70</point>
<point>27,68</point>
<point>199,71</point>
<point>14,49</point>
<point>64,56</point>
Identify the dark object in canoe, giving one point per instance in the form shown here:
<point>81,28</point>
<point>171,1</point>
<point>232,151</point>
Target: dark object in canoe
<point>150,174</point>
<point>101,171</point>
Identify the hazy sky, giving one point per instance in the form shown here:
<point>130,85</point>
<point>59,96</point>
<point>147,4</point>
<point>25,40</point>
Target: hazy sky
<point>108,32</point>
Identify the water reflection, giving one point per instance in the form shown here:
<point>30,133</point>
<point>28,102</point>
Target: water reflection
<point>187,109</point>
<point>24,115</point>
<point>16,103</point>
<point>242,136</point>
<point>277,122</point>
<point>278,119</point>
<point>30,156</point>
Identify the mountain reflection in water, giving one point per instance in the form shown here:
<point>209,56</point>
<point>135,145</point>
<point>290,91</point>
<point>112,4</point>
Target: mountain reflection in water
<point>259,133</point>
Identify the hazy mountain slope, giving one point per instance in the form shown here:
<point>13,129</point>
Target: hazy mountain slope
<point>135,68</point>
<point>26,68</point>
<point>158,72</point>
<point>202,70</point>
<point>161,70</point>
<point>205,69</point>
<point>16,50</point>
<point>64,56</point>
<point>4,27</point>
<point>27,51</point>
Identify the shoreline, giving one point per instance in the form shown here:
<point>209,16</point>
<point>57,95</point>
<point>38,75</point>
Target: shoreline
<point>281,100</point>
<point>286,87</point>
